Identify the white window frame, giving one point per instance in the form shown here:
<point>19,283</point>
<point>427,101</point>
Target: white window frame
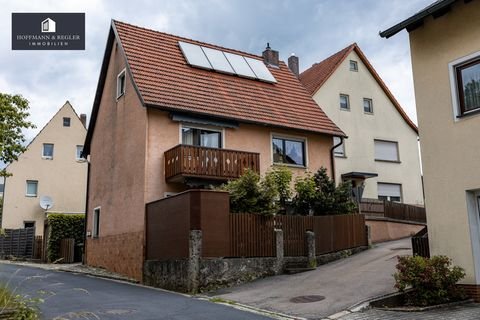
<point>43,151</point>
<point>371,105</point>
<point>274,135</point>
<point>336,154</point>
<point>96,222</point>
<point>76,152</point>
<point>457,114</point>
<point>206,127</point>
<point>26,189</point>
<point>121,91</point>
<point>355,69</point>
<point>389,197</point>
<point>386,160</point>
<point>340,102</point>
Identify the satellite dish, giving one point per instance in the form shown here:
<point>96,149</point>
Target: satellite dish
<point>46,202</point>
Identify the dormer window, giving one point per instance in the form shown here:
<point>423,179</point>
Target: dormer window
<point>353,65</point>
<point>121,84</point>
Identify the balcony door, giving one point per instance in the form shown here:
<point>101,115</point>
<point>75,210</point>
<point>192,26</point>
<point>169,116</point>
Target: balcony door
<point>201,137</point>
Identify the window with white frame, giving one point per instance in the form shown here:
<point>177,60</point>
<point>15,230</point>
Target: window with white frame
<point>32,188</point>
<point>367,105</point>
<point>390,191</point>
<point>289,151</point>
<point>201,137</point>
<point>78,152</point>
<point>340,150</point>
<point>353,65</point>
<point>121,84</point>
<point>386,151</point>
<point>344,102</point>
<point>47,151</point>
<point>96,222</point>
<point>468,86</point>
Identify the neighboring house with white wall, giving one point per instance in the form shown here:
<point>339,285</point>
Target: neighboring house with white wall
<point>51,166</point>
<point>381,152</point>
<point>445,52</point>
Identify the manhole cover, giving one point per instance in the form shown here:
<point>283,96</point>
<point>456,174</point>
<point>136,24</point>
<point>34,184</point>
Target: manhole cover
<point>307,299</point>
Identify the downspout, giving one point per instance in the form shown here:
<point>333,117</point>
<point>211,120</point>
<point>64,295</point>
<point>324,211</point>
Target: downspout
<point>84,260</point>
<point>332,157</point>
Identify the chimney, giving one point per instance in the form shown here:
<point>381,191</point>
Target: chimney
<point>293,64</point>
<point>83,119</point>
<point>270,57</point>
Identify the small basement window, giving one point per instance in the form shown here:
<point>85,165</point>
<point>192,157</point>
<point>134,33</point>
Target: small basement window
<point>353,65</point>
<point>121,84</point>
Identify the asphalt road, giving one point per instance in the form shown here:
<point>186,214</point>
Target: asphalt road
<point>342,283</point>
<point>75,296</point>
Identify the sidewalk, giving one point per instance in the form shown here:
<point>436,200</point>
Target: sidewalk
<point>464,312</point>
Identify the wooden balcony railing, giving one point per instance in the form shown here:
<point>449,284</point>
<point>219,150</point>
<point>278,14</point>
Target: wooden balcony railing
<point>185,161</point>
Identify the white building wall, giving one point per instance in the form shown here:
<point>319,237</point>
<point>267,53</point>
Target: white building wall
<point>362,129</point>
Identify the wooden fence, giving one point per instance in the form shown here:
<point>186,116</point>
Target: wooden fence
<point>17,242</point>
<point>67,250</point>
<point>253,235</point>
<point>393,210</point>
<point>420,246</point>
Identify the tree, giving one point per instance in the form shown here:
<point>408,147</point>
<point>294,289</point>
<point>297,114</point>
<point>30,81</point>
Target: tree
<point>13,115</point>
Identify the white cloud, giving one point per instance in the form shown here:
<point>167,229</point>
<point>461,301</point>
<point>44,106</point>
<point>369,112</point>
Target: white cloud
<point>311,29</point>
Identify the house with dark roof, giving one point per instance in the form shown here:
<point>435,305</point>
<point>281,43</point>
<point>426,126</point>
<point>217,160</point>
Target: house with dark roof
<point>445,53</point>
<point>172,113</point>
<point>381,154</point>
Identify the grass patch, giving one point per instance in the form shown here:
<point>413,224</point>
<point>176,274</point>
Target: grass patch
<point>17,306</point>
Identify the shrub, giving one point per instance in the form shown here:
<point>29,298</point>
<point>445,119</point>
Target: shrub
<point>433,280</point>
<point>63,226</point>
<point>281,179</point>
<point>318,194</point>
<point>250,194</point>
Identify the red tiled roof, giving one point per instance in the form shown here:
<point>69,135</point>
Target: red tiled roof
<point>165,80</point>
<point>314,77</point>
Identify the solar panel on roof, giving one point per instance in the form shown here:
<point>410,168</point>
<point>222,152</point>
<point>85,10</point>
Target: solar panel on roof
<point>261,71</point>
<point>194,55</point>
<point>239,65</point>
<point>218,60</point>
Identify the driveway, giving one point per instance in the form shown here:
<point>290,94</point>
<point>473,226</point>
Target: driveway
<point>75,296</point>
<point>343,283</point>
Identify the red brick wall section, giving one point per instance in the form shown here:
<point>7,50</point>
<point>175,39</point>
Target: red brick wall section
<point>122,254</point>
<point>472,290</point>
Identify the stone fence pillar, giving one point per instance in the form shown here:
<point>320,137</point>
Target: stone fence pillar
<point>195,253</point>
<point>312,261</point>
<point>279,250</point>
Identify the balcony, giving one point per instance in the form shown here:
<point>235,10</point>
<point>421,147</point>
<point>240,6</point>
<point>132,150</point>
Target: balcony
<point>186,161</point>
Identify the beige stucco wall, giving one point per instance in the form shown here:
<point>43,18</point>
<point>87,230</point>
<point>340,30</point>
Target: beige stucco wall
<point>450,148</point>
<point>164,134</point>
<point>63,178</point>
<point>385,123</point>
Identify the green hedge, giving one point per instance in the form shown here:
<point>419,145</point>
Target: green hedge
<point>63,226</point>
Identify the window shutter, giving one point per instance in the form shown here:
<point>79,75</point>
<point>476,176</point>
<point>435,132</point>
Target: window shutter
<point>386,150</point>
<point>389,190</point>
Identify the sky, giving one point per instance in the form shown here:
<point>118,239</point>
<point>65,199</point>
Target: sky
<point>312,29</point>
